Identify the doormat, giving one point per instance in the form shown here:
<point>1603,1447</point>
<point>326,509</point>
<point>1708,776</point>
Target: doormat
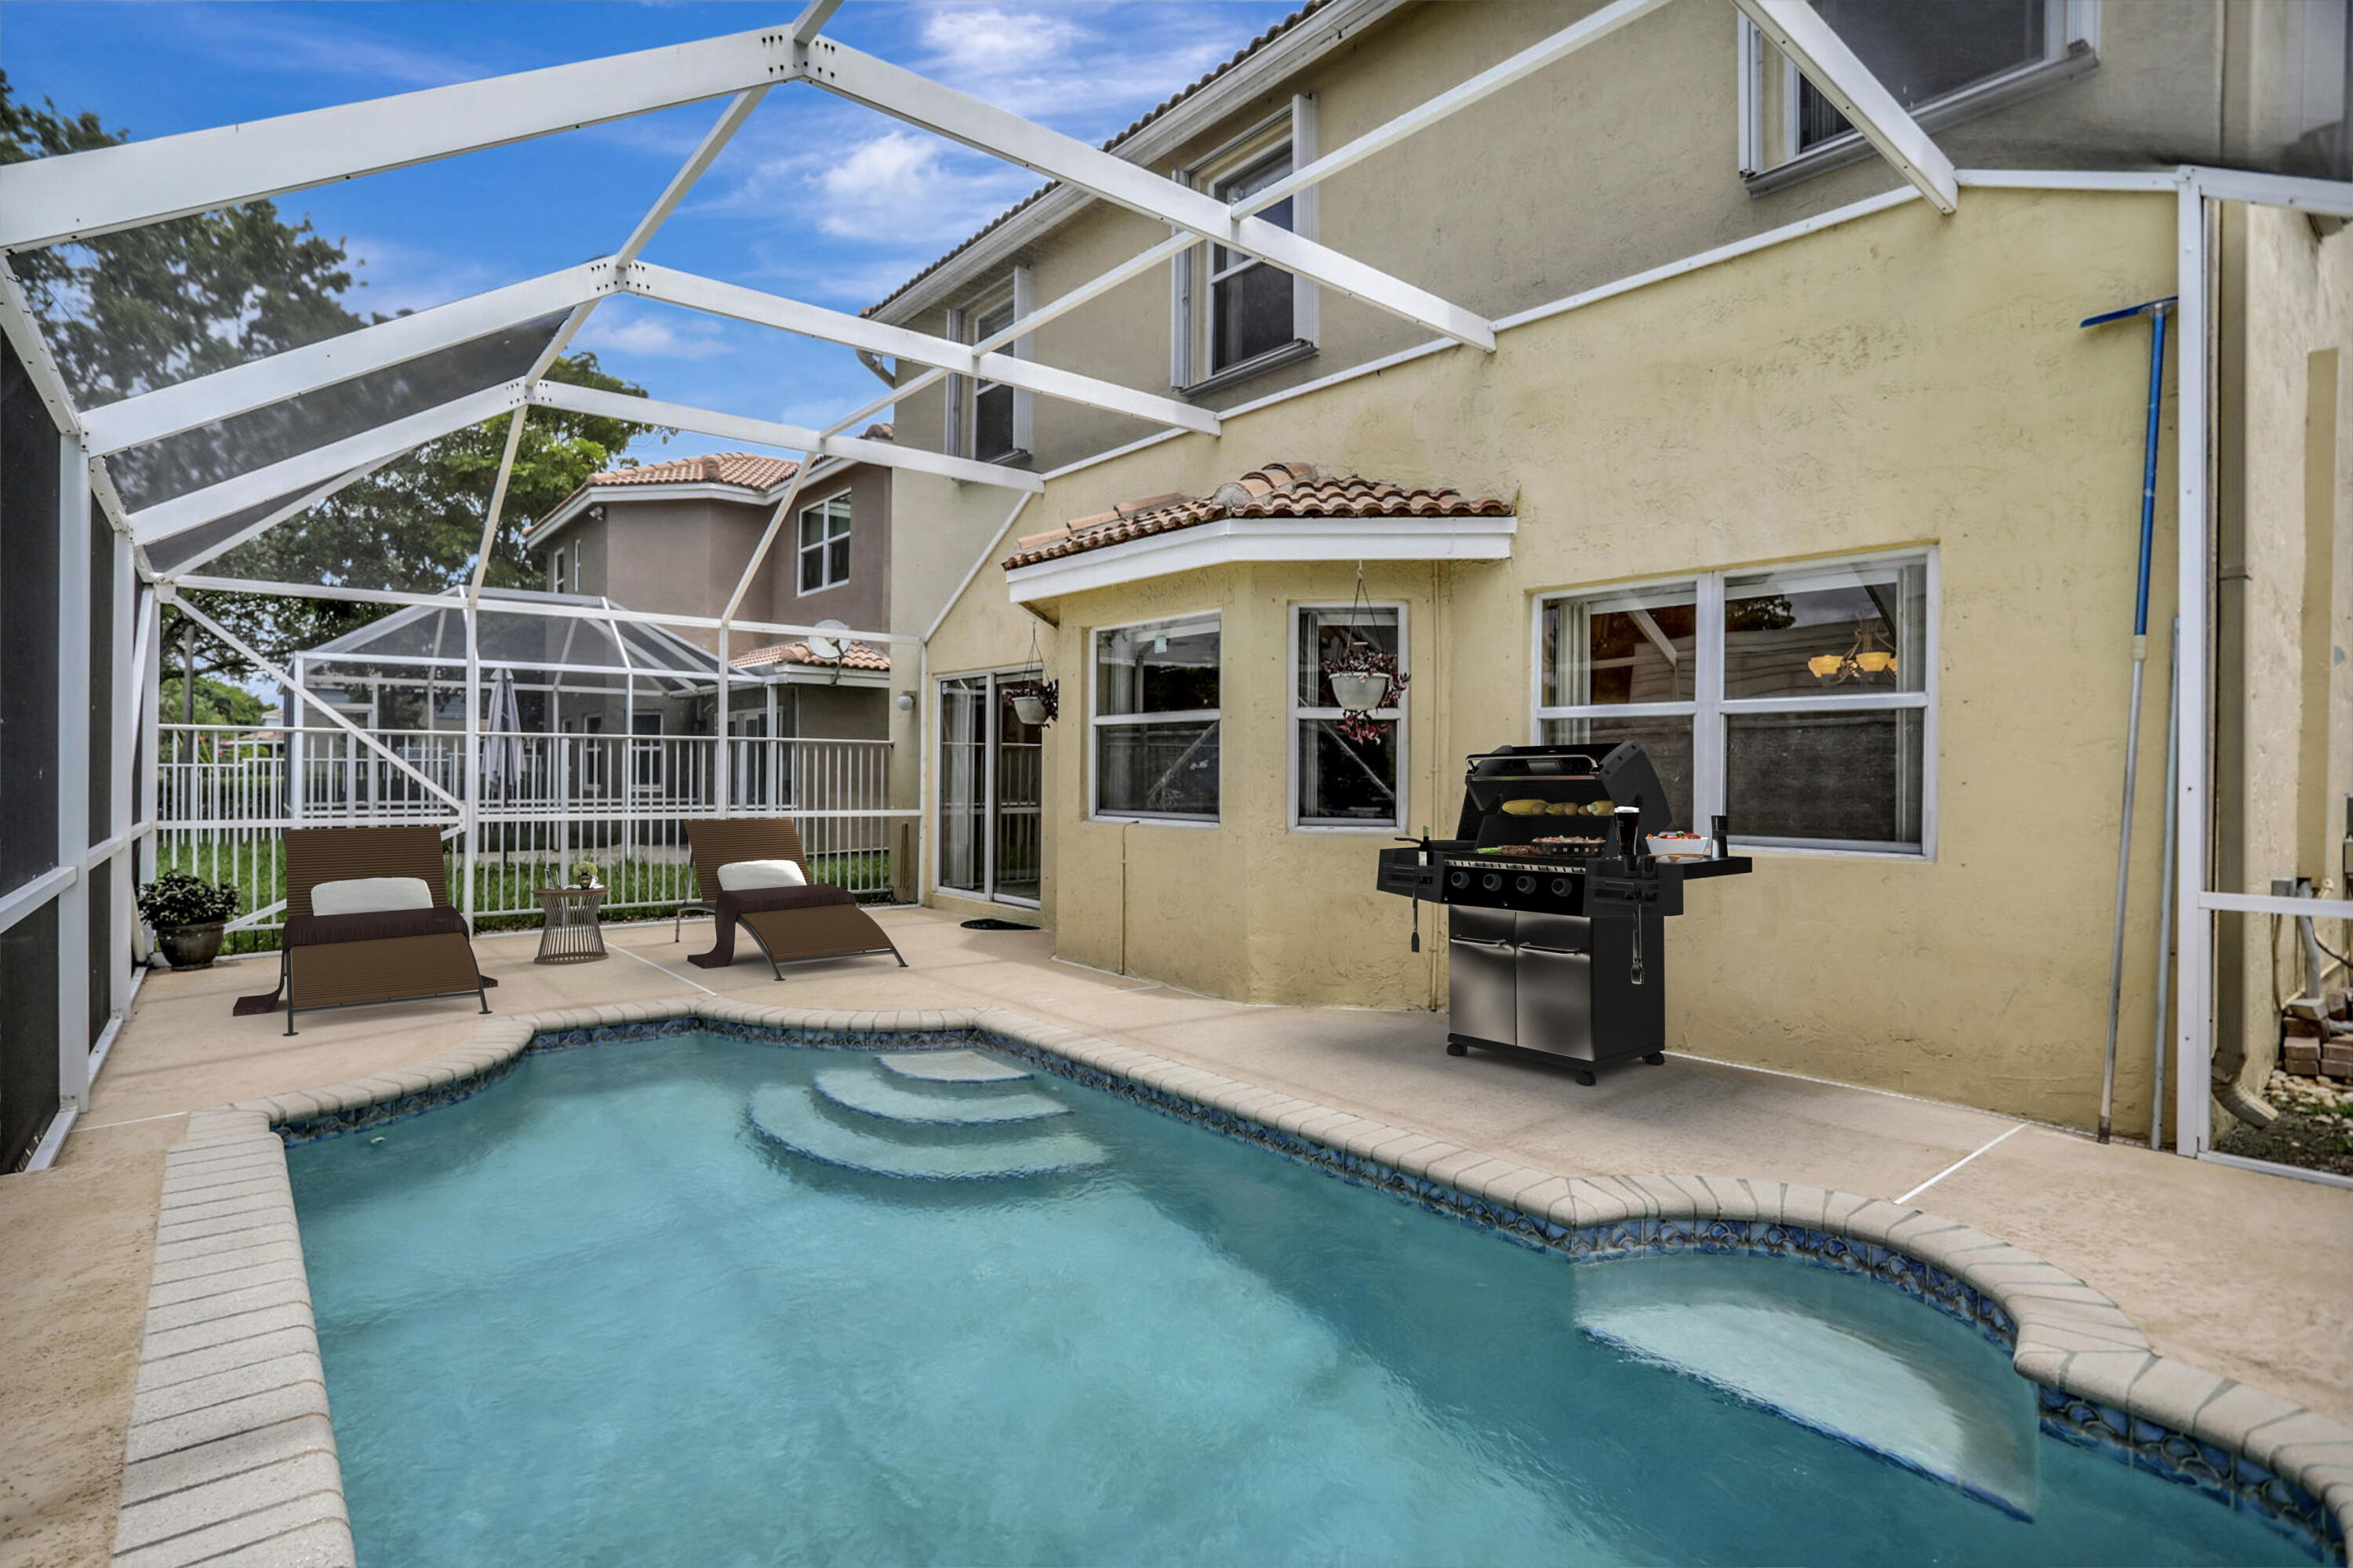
<point>989,923</point>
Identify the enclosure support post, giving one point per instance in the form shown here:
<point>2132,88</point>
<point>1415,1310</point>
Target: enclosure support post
<point>73,776</point>
<point>130,624</point>
<point>2194,952</point>
<point>721,780</point>
<point>151,723</point>
<point>470,812</point>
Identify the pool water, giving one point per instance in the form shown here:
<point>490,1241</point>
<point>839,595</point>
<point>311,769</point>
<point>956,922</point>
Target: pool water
<point>596,1315</point>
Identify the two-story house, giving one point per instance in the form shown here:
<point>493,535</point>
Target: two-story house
<point>1754,403</point>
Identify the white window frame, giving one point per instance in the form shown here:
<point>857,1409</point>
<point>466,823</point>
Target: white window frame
<point>964,392</point>
<point>1301,713</point>
<point>1097,721</point>
<point>1709,707</point>
<point>801,550</point>
<point>1191,284</point>
<point>1769,157</point>
<point>555,570</point>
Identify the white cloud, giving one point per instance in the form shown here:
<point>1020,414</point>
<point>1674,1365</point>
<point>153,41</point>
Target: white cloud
<point>624,332</point>
<point>1049,66</point>
<point>397,276</point>
<point>269,38</point>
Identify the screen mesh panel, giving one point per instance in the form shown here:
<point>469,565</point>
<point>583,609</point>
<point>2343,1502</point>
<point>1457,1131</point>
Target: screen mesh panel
<point>209,454</point>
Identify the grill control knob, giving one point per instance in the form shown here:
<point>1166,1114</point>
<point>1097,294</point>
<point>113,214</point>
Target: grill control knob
<point>1459,879</point>
<point>1493,882</point>
<point>1525,885</point>
<point>1560,886</point>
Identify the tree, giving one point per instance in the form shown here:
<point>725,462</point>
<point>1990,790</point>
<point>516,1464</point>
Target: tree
<point>217,702</point>
<point>416,524</point>
<point>159,304</point>
<point>126,313</point>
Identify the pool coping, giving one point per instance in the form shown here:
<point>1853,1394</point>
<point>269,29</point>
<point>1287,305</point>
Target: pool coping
<point>231,1448</point>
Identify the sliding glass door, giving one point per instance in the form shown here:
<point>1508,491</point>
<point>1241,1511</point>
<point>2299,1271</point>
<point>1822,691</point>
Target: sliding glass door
<point>990,791</point>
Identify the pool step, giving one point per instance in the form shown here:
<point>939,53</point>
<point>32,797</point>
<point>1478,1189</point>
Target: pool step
<point>1928,1396</point>
<point>787,1116</point>
<point>951,1067</point>
<point>854,1088</point>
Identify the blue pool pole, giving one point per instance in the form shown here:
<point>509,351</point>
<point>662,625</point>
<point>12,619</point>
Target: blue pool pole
<point>2156,311</point>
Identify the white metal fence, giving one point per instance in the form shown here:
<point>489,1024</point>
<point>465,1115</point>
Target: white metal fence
<point>225,795</point>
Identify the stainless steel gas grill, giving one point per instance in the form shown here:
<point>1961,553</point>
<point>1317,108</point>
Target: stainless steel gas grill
<point>1556,907</point>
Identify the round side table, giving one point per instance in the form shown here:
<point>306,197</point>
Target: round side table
<point>571,935</point>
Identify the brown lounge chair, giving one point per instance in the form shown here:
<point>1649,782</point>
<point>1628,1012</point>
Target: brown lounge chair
<point>791,924</point>
<point>393,955</point>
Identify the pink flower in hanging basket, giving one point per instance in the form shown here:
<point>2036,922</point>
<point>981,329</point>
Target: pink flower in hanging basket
<point>1361,680</point>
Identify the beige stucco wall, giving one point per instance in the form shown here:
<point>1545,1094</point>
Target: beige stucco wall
<point>1621,158</point>
<point>1902,379</point>
<point>2284,684</point>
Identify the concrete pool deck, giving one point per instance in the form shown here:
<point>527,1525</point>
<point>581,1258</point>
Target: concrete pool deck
<point>2242,1274</point>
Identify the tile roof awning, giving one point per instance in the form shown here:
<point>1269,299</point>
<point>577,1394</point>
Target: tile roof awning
<point>857,656</point>
<point>1282,511</point>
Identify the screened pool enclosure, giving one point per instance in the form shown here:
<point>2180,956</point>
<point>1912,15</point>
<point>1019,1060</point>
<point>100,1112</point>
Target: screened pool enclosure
<point>132,482</point>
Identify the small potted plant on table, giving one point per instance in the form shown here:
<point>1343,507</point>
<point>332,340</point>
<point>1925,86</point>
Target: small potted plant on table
<point>189,913</point>
<point>584,873</point>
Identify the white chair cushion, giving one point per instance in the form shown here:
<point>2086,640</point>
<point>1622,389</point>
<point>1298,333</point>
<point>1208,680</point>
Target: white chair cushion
<point>744,875</point>
<point>370,894</point>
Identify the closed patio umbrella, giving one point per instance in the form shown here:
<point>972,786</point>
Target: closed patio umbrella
<point>502,753</point>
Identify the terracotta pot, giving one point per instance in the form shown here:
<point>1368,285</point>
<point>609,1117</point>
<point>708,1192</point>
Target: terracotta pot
<point>191,947</point>
<point>1359,692</point>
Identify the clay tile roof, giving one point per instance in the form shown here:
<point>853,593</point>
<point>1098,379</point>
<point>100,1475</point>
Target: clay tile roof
<point>751,472</point>
<point>856,656</point>
<point>1277,489</point>
<point>1247,50</point>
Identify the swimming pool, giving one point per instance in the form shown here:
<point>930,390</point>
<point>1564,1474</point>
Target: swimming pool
<point>698,1299</point>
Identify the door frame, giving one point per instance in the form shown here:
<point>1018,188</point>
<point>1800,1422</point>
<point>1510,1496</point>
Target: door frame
<point>997,679</point>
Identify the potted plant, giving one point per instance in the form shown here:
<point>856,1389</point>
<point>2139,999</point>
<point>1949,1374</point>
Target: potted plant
<point>1363,679</point>
<point>1034,703</point>
<point>189,913</point>
<point>584,873</point>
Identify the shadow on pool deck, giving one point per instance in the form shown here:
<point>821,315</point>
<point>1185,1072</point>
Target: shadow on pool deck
<point>2242,1273</point>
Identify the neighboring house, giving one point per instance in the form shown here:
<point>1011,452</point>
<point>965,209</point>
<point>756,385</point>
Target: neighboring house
<point>1752,408</point>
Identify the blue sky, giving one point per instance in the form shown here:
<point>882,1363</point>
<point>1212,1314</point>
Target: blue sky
<point>815,199</point>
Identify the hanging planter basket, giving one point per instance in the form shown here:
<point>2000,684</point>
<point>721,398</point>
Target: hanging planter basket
<point>1361,680</point>
<point>1034,703</point>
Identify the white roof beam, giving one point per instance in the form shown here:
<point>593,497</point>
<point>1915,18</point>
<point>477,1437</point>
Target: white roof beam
<point>1092,289</point>
<point>45,201</point>
<point>292,509</point>
<point>24,329</point>
<point>1493,80</point>
<point>767,433</point>
<point>200,507</point>
<point>812,20</point>
<point>880,337</point>
<point>1798,31</point>
<point>862,79</point>
<point>243,388</point>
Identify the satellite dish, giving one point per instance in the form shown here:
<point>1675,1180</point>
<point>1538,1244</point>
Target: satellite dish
<point>829,646</point>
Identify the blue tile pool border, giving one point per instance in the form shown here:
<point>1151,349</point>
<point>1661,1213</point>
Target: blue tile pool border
<point>229,1260</point>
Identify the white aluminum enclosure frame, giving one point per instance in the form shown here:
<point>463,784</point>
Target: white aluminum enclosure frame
<point>55,200</point>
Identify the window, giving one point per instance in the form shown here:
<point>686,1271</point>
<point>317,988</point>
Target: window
<point>1153,719</point>
<point>1338,783</point>
<point>825,544</point>
<point>556,571</point>
<point>1942,61</point>
<point>989,420</point>
<point>1796,702</point>
<point>1234,313</point>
